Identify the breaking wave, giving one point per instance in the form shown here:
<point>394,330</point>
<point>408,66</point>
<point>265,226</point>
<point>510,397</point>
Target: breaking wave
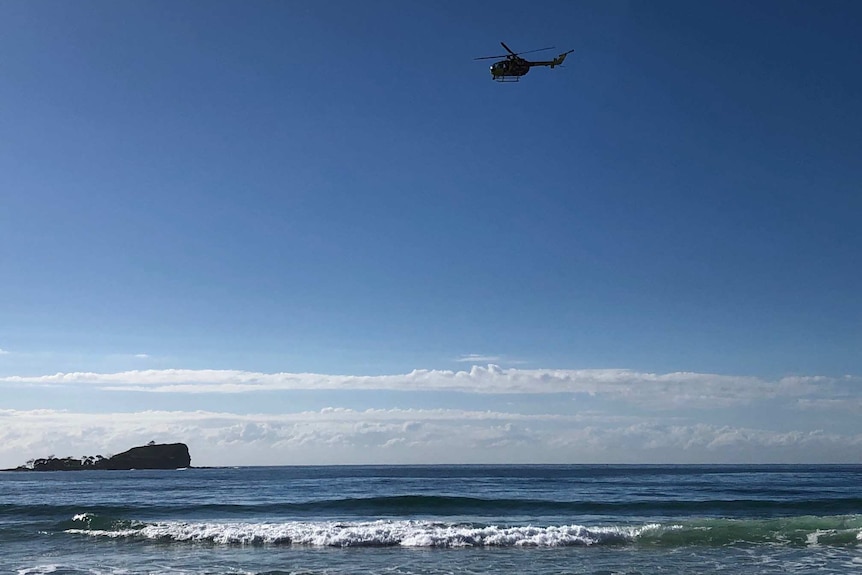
<point>794,531</point>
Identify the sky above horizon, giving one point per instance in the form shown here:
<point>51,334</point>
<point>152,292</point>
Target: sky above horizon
<point>317,232</point>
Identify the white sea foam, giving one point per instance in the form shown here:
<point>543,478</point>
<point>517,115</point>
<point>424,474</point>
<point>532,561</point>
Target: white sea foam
<point>415,533</point>
<point>38,570</point>
<point>381,533</point>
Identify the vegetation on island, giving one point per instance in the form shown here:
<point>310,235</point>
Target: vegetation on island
<point>150,456</point>
<point>52,463</point>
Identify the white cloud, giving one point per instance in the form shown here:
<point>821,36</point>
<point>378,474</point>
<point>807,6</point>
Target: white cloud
<point>656,391</point>
<point>339,435</point>
<point>3,352</point>
<point>838,404</point>
<point>478,358</point>
<point>556,429</point>
<point>142,356</point>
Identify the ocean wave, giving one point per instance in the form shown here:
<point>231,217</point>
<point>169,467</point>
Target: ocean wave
<point>442,506</point>
<point>376,534</point>
<point>401,505</point>
<point>93,523</point>
<point>799,531</point>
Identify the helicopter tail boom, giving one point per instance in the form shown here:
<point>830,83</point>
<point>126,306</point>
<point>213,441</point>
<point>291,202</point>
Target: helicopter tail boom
<point>558,61</point>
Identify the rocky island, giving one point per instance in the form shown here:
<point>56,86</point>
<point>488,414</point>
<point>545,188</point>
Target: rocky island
<point>150,456</point>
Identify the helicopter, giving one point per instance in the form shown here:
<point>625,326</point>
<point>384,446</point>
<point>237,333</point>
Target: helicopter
<point>513,67</point>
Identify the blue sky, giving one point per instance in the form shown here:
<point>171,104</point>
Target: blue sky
<point>317,232</point>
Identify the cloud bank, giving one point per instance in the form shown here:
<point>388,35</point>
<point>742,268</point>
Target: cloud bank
<point>668,390</point>
<point>340,435</point>
<point>485,414</point>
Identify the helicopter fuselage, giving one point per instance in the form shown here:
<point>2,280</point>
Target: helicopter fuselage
<point>512,68</point>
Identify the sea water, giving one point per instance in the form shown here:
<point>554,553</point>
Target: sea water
<point>573,519</point>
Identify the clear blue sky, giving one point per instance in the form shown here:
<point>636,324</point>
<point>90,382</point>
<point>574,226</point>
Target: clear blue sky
<point>338,188</point>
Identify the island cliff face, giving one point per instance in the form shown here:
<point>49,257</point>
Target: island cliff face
<point>159,456</point>
<point>152,456</point>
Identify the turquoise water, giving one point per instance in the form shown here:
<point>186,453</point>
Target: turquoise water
<point>576,519</point>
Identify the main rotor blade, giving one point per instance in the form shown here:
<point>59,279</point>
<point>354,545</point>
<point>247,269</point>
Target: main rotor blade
<point>538,50</point>
<point>512,53</point>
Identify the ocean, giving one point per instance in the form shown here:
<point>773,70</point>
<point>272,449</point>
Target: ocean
<point>405,520</point>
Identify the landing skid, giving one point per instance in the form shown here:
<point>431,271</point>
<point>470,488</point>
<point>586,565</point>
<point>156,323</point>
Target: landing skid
<point>508,79</point>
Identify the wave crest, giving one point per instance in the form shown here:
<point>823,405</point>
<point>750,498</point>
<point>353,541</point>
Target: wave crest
<point>378,534</point>
<point>797,531</point>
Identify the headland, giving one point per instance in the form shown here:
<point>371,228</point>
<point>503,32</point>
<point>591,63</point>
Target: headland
<point>150,456</point>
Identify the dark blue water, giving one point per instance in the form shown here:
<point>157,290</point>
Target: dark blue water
<point>434,519</point>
